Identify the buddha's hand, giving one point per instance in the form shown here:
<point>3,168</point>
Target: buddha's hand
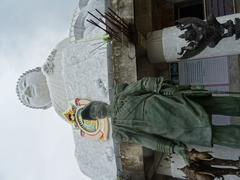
<point>169,91</point>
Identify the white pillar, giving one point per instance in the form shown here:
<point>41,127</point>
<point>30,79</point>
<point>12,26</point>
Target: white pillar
<point>163,45</point>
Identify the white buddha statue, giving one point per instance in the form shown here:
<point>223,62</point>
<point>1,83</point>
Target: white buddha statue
<point>76,68</point>
<point>41,88</point>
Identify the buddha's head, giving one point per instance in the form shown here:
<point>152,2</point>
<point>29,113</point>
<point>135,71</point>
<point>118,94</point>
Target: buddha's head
<point>32,89</point>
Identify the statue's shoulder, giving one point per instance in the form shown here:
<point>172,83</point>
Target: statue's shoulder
<point>63,44</point>
<point>54,60</point>
<point>119,88</point>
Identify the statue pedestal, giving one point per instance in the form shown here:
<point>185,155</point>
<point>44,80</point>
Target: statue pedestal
<point>163,45</point>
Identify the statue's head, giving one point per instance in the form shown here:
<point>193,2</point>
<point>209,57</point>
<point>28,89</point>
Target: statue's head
<point>95,110</point>
<point>32,89</point>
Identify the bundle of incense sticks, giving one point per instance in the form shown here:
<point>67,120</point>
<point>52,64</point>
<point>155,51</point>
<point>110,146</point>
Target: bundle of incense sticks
<point>114,25</point>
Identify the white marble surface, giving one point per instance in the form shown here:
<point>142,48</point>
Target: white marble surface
<point>86,76</point>
<point>85,73</point>
<point>80,69</point>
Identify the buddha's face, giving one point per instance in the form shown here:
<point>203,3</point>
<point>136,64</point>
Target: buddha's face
<point>33,90</point>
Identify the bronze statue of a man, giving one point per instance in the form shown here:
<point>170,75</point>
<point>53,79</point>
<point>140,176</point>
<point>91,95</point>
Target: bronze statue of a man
<point>166,117</point>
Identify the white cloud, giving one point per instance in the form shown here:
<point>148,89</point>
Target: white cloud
<point>29,51</point>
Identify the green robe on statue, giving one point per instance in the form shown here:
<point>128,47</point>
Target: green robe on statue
<point>161,116</point>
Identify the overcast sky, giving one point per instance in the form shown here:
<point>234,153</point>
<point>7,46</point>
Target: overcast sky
<point>35,144</point>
